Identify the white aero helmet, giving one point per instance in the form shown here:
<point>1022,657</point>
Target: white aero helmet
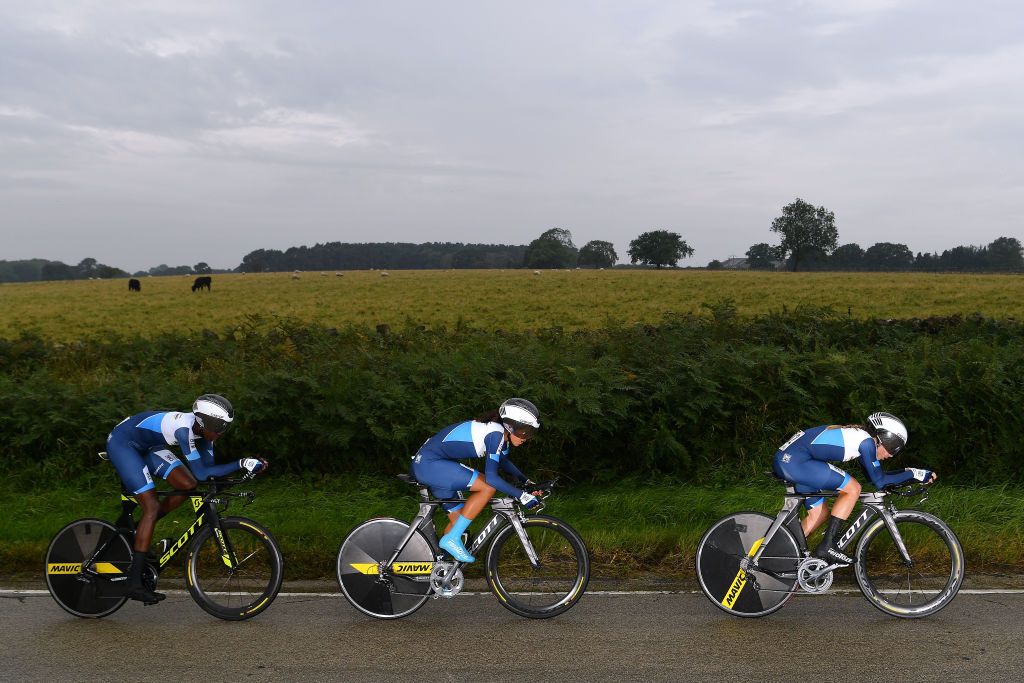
<point>889,430</point>
<point>213,413</point>
<point>519,417</point>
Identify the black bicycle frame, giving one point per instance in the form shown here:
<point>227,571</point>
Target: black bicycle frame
<point>505,513</point>
<point>205,508</point>
<point>874,506</point>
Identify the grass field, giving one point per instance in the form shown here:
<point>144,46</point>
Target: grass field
<point>512,299</point>
<point>632,529</point>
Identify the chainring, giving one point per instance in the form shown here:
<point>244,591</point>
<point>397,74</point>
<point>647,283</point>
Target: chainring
<point>438,575</point>
<point>810,577</point>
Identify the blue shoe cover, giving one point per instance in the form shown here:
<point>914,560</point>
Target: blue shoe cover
<point>453,544</point>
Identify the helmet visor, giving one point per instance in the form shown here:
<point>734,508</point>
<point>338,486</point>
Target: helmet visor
<point>212,424</point>
<point>519,429</point>
<point>892,442</point>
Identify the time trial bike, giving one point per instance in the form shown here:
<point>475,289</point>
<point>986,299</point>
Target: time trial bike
<point>233,566</point>
<point>536,565</point>
<point>907,563</point>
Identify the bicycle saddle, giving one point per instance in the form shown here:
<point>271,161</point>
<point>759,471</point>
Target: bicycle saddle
<point>407,478</point>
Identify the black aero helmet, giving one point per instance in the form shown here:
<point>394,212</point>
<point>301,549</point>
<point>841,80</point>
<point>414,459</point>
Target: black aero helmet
<point>213,413</point>
<point>519,417</point>
<point>889,430</point>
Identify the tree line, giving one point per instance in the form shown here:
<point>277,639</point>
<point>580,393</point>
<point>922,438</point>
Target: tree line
<point>34,270</point>
<point>809,240</point>
<point>553,249</point>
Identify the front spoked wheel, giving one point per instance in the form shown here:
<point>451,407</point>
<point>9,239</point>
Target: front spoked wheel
<point>548,587</point>
<point>88,593</point>
<point>924,586</point>
<point>759,591</point>
<point>236,577</point>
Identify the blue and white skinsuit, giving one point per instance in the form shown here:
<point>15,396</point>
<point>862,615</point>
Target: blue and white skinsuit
<point>435,464</point>
<point>806,460</point>
<point>138,447</point>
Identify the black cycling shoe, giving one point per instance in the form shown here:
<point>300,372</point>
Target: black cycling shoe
<point>832,555</point>
<point>144,595</point>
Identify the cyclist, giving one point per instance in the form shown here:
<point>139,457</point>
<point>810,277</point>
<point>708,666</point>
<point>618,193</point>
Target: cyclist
<point>806,461</point>
<point>138,448</point>
<point>488,436</point>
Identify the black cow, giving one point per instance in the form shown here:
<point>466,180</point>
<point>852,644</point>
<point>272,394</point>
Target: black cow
<point>202,282</point>
<point>134,285</point>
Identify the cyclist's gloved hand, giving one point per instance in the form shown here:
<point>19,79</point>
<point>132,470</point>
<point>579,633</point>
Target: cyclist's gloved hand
<point>253,465</point>
<point>529,500</point>
<point>921,475</point>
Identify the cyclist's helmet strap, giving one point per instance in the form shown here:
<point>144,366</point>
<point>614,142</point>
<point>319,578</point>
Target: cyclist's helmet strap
<point>213,412</point>
<point>889,430</point>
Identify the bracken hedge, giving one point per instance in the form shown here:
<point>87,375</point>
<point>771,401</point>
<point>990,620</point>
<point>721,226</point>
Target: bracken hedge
<point>697,398</point>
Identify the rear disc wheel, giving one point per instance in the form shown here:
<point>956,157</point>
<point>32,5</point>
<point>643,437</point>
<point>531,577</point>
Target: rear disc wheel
<point>91,594</point>
<point>404,588</point>
<point>754,593</point>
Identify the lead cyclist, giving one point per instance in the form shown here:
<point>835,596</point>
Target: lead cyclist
<point>138,448</point>
<point>806,461</point>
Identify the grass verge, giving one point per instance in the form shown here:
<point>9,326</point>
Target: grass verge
<point>634,529</point>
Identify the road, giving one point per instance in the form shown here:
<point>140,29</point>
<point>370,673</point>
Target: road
<point>678,636</point>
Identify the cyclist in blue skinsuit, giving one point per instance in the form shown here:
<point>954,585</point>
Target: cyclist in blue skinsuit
<point>138,448</point>
<point>806,460</point>
<point>488,436</point>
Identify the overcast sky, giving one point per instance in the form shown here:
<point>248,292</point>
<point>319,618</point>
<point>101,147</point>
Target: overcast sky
<point>178,131</point>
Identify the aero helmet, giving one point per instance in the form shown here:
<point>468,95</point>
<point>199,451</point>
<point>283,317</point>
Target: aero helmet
<point>519,417</point>
<point>889,430</point>
<point>213,413</point>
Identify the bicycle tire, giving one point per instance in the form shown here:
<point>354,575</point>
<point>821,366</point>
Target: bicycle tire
<point>515,581</point>
<point>239,592</point>
<point>934,578</point>
<point>717,563</point>
<point>362,552</point>
<point>87,597</point>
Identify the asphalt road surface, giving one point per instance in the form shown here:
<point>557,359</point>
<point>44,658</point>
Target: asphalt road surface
<point>634,637</point>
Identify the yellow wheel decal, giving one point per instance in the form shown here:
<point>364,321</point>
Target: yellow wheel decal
<point>740,581</point>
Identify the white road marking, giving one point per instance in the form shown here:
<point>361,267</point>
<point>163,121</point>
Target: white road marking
<point>15,593</point>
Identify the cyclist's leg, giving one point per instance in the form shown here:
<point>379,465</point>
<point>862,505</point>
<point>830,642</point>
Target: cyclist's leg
<point>445,477</point>
<point>792,467</point>
<point>163,463</point>
<point>481,494</point>
<point>138,480</point>
<point>135,474</point>
<point>820,475</point>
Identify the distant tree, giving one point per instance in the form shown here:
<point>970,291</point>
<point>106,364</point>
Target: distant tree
<point>659,248</point>
<point>87,267</point>
<point>553,249</point>
<point>805,228</point>
<point>715,264</point>
<point>762,256</point>
<point>598,254</point>
<point>848,257</point>
<point>888,256</point>
<point>202,268</point>
<point>1005,254</point>
<point>927,262</point>
<point>106,272</point>
<point>963,258</point>
<point>55,270</point>
<point>164,269</point>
